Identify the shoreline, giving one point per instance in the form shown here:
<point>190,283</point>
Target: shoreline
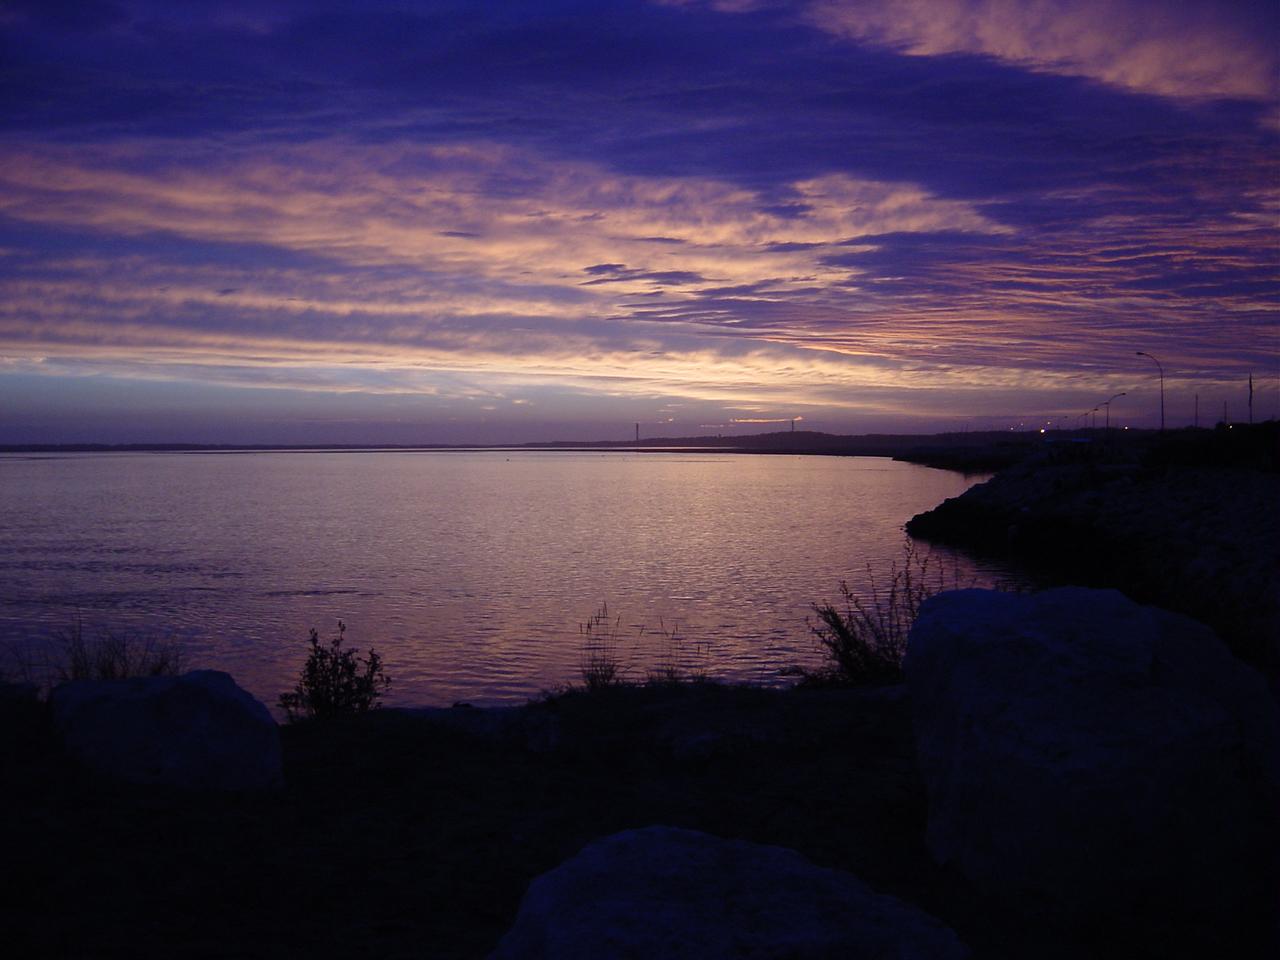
<point>1188,523</point>
<point>945,449</point>
<point>417,830</point>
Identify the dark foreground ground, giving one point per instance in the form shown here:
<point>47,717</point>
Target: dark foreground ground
<point>415,835</point>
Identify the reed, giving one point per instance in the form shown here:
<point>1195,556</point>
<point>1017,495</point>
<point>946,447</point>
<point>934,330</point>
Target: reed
<point>864,637</point>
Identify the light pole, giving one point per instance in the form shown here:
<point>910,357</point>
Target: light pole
<point>1142,353</point>
<point>1107,404</point>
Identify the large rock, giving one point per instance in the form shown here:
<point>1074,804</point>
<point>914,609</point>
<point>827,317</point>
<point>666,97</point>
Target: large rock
<point>1089,759</point>
<point>663,892</point>
<point>198,731</point>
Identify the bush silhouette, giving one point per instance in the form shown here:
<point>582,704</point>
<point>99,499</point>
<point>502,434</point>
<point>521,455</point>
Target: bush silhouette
<point>335,682</point>
<point>865,642</point>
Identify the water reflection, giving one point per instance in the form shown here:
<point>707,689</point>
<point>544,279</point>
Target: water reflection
<point>469,572</point>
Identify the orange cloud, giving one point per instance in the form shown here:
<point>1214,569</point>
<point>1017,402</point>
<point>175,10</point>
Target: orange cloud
<point>1184,50</point>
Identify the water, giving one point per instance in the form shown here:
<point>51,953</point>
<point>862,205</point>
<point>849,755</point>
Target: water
<point>468,571</point>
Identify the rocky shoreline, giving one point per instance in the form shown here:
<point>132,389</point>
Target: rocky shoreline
<point>1064,774</point>
<point>1190,523</point>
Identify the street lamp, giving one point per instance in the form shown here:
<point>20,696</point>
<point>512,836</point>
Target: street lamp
<point>1142,353</point>
<point>1107,404</point>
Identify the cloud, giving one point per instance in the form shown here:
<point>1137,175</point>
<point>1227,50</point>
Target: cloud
<point>1185,50</point>
<point>402,268</point>
<point>401,242</point>
<point>827,205</point>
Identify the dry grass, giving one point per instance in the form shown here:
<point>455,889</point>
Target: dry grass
<point>866,640</point>
<point>599,663</point>
<point>74,655</point>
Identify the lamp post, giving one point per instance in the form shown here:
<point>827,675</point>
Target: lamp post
<point>1143,353</point>
<point>1107,404</point>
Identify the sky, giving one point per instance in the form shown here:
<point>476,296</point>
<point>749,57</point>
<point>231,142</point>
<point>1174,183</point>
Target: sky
<point>320,221</point>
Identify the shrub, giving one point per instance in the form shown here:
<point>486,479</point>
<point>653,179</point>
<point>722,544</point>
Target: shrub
<point>866,641</point>
<point>335,682</point>
<point>113,656</point>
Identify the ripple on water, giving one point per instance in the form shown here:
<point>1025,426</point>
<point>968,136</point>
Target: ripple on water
<point>469,572</point>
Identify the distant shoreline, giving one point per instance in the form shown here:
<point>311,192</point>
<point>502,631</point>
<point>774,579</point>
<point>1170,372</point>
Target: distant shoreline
<point>984,451</point>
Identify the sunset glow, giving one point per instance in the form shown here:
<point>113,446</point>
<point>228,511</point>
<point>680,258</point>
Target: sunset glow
<point>432,222</point>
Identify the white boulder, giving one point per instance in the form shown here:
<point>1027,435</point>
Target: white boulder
<point>684,895</point>
<point>198,731</point>
<point>1089,759</point>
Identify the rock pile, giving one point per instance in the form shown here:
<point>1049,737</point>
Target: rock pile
<point>1202,541</point>
<point>1091,761</point>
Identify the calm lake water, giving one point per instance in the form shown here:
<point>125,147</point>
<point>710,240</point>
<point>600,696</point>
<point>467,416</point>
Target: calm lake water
<point>470,572</point>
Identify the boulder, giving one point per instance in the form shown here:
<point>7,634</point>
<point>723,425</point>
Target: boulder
<point>1091,760</point>
<point>663,892</point>
<point>198,731</point>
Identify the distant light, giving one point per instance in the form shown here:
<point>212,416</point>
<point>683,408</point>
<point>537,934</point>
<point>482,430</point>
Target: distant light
<point>1042,429</point>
